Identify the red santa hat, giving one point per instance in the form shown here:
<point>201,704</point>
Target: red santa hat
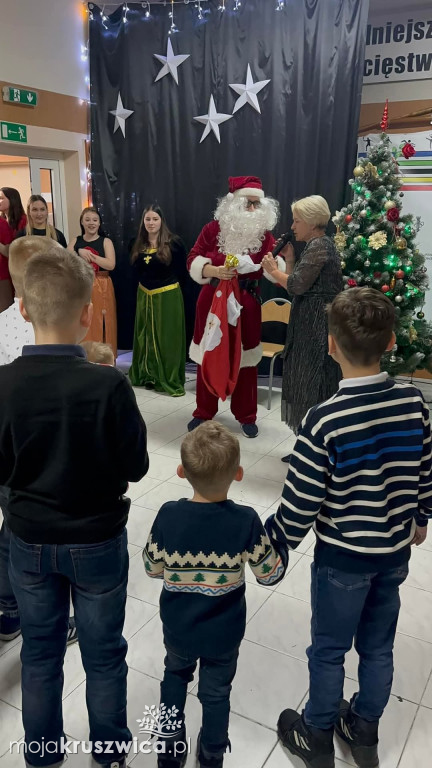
<point>245,186</point>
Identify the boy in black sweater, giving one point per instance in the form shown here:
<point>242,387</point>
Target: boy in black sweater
<point>199,547</point>
<point>71,437</point>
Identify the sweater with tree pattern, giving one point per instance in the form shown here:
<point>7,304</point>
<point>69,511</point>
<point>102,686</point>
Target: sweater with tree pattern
<point>200,551</point>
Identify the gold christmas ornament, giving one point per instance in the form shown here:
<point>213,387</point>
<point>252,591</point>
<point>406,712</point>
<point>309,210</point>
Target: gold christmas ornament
<point>231,261</point>
<point>412,334</point>
<point>340,240</point>
<point>377,240</point>
<point>389,204</point>
<point>392,283</point>
<point>343,264</point>
<point>400,243</point>
<point>371,170</point>
<point>358,171</point>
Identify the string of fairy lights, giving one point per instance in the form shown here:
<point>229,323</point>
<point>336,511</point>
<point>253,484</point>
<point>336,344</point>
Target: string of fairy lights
<point>233,6</point>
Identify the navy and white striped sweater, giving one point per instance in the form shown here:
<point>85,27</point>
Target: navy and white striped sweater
<point>361,472</point>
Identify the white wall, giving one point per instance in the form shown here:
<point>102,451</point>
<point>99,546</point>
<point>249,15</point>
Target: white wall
<point>40,45</point>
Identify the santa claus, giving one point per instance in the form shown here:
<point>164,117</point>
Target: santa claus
<point>243,223</point>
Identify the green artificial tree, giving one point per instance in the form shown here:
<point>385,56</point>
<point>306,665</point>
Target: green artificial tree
<point>377,246</point>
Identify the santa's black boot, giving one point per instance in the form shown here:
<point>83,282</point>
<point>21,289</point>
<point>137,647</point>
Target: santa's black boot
<point>312,745</point>
<point>361,736</point>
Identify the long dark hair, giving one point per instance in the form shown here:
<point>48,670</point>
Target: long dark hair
<point>16,210</point>
<point>165,237</point>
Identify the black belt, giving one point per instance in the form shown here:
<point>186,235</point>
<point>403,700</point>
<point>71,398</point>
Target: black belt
<point>246,284</point>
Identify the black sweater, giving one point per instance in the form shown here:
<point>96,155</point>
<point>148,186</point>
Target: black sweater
<point>71,437</point>
<point>154,273</point>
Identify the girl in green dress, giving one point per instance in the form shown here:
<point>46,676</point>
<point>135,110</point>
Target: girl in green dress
<point>159,348</point>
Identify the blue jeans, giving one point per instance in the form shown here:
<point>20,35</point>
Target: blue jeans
<point>8,603</point>
<point>347,606</point>
<point>42,577</point>
<point>214,688</point>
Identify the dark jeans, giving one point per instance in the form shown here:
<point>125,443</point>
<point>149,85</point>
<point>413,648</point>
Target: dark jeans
<point>214,688</point>
<point>42,577</point>
<point>347,606</point>
<point>8,603</point>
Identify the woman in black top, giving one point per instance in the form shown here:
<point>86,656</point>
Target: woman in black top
<point>37,221</point>
<point>310,376</point>
<point>159,350</point>
<point>98,251</point>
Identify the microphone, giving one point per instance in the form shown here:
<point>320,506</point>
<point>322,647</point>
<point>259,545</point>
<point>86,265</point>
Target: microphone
<point>282,242</point>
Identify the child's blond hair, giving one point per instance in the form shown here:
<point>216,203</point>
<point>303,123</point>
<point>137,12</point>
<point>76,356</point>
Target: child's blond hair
<point>20,251</point>
<point>98,353</point>
<point>210,457</point>
<point>57,285</point>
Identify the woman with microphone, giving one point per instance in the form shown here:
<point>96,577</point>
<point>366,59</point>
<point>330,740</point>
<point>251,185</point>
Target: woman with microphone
<point>310,376</point>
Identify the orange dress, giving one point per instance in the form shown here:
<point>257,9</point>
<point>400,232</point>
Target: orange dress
<point>104,323</point>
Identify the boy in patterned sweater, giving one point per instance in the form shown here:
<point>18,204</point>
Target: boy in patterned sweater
<point>360,474</point>
<point>200,547</point>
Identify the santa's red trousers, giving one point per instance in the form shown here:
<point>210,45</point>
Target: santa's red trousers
<point>243,399</point>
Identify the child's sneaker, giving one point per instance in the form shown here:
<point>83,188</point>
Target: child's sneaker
<point>10,627</point>
<point>313,746</point>
<point>170,760</point>
<point>361,736</point>
<point>209,762</point>
<point>72,635</point>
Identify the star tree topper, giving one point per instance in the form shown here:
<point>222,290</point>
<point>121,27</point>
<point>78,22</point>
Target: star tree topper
<point>212,120</point>
<point>121,115</point>
<point>170,62</point>
<point>248,93</point>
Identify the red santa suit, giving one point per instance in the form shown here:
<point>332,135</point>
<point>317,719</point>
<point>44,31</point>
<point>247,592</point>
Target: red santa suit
<point>244,398</point>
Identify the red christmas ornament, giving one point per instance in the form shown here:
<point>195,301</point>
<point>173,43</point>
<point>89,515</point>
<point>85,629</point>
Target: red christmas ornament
<point>393,215</point>
<point>377,275</point>
<point>352,283</point>
<point>385,288</point>
<point>384,120</point>
<point>348,218</point>
<point>400,274</point>
<point>408,150</point>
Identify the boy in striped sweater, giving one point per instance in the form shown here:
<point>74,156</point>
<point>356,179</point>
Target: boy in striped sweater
<point>200,547</point>
<point>360,474</point>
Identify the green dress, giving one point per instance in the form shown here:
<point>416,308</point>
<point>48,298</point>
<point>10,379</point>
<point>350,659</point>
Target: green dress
<point>159,347</point>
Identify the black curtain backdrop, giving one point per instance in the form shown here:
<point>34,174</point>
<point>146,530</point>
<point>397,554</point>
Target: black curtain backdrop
<point>302,143</point>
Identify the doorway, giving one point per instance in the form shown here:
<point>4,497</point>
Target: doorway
<point>35,176</point>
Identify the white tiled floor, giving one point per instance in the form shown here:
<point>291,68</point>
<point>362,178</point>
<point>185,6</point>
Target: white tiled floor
<point>272,672</point>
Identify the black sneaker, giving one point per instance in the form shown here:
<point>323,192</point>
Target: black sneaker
<point>313,746</point>
<point>166,761</point>
<point>209,762</point>
<point>249,430</point>
<point>194,424</point>
<point>169,759</point>
<point>361,736</point>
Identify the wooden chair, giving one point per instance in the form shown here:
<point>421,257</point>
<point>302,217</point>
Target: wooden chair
<point>276,314</point>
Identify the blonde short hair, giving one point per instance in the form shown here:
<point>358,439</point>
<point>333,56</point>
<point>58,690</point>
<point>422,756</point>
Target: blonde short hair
<point>210,456</point>
<point>313,210</point>
<point>98,353</point>
<point>20,251</point>
<point>57,285</point>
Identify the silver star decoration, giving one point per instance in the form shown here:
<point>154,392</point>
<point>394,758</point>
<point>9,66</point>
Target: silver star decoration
<point>121,115</point>
<point>212,120</point>
<point>170,62</point>
<point>248,93</point>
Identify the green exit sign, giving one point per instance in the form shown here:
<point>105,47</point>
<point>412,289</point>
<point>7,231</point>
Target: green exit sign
<point>13,132</point>
<point>20,96</point>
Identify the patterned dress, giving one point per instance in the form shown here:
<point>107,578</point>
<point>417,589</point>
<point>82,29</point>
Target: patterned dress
<point>310,375</point>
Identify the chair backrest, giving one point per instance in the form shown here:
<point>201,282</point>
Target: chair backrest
<point>275,315</point>
<point>276,311</point>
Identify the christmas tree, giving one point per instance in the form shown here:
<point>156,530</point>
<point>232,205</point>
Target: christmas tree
<point>377,246</point>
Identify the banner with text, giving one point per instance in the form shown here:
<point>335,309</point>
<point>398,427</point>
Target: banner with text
<point>399,49</point>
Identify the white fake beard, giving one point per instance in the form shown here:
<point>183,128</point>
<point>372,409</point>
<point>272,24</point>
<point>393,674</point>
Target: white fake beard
<point>243,230</point>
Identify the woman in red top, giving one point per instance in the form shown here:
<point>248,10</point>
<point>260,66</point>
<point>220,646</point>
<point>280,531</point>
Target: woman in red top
<point>12,218</point>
